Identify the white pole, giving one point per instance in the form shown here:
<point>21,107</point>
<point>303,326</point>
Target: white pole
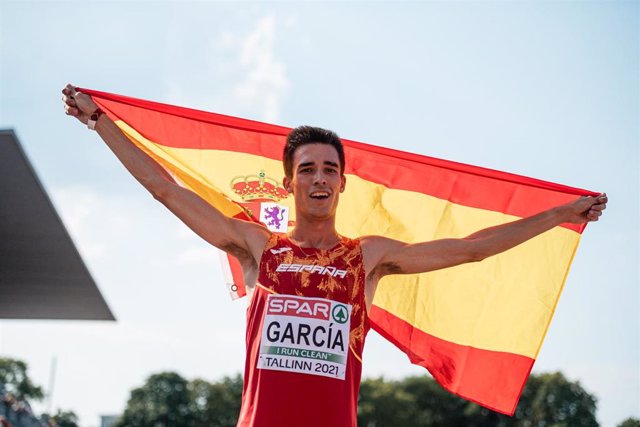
<point>52,379</point>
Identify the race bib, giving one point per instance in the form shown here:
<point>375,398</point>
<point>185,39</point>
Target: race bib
<point>305,335</point>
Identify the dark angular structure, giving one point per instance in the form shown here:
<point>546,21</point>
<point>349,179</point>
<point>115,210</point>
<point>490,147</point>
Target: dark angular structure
<point>42,275</point>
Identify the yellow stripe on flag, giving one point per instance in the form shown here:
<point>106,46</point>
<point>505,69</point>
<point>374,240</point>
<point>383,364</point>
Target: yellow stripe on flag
<point>521,285</point>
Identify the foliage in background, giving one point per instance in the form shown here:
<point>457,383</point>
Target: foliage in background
<point>217,404</point>
<point>549,400</point>
<point>13,375</point>
<point>630,422</point>
<point>60,419</point>
<point>163,401</point>
<point>16,388</point>
<point>167,399</point>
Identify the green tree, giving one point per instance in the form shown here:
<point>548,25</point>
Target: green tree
<point>435,406</point>
<point>630,422</point>
<point>13,376</point>
<point>60,419</point>
<point>383,403</point>
<point>218,404</point>
<point>553,401</point>
<point>548,400</point>
<point>163,401</point>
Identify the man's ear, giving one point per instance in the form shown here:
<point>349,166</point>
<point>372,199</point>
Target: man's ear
<point>286,182</point>
<point>343,183</point>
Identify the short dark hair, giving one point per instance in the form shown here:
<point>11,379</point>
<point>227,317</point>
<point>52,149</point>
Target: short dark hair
<point>310,135</point>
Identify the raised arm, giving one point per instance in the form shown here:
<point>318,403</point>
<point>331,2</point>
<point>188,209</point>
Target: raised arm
<point>243,239</point>
<point>384,256</point>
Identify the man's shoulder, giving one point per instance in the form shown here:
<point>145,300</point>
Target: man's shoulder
<point>376,249</point>
<point>373,245</point>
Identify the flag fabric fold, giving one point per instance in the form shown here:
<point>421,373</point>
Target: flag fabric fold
<point>478,327</point>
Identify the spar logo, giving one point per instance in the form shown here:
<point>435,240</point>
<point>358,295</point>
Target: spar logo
<point>340,313</point>
<point>287,306</point>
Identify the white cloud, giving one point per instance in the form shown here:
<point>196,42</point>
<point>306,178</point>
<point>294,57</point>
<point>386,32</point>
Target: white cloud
<point>242,74</point>
<point>265,75</point>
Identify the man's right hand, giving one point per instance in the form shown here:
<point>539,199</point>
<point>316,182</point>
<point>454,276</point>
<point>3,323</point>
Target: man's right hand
<point>77,104</point>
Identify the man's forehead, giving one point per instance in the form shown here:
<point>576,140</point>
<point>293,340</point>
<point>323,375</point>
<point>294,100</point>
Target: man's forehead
<point>316,153</point>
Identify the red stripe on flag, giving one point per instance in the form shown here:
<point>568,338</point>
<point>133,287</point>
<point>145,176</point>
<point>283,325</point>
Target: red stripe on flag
<point>190,113</point>
<point>458,183</point>
<point>494,379</point>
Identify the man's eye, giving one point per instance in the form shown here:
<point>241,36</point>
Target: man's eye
<point>305,170</point>
<point>331,170</point>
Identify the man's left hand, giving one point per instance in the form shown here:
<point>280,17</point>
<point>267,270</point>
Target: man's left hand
<point>586,209</point>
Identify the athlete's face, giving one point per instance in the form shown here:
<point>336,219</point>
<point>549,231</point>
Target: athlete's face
<point>316,182</point>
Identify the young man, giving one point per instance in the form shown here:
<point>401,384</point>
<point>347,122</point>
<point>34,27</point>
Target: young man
<point>310,290</point>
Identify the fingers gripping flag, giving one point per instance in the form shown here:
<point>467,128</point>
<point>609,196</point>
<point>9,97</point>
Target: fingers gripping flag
<point>478,327</point>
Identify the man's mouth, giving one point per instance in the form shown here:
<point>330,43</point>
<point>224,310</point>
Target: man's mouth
<point>319,195</point>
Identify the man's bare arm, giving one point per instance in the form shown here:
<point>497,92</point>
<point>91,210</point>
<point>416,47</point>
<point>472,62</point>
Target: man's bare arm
<point>242,239</point>
<point>386,256</point>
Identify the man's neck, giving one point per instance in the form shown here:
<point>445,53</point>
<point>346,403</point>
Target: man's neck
<point>315,234</point>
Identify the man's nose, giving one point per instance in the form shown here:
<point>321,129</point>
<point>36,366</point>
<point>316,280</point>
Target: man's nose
<point>320,178</point>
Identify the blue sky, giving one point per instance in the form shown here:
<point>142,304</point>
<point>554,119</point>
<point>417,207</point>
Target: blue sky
<point>543,89</point>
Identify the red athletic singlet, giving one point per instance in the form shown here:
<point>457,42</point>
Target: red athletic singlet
<point>306,326</point>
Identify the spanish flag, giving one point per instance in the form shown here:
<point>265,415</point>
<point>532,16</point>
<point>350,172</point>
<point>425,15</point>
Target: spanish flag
<point>478,327</point>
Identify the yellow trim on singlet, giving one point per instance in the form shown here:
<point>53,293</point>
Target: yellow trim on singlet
<point>355,354</point>
<point>266,289</point>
